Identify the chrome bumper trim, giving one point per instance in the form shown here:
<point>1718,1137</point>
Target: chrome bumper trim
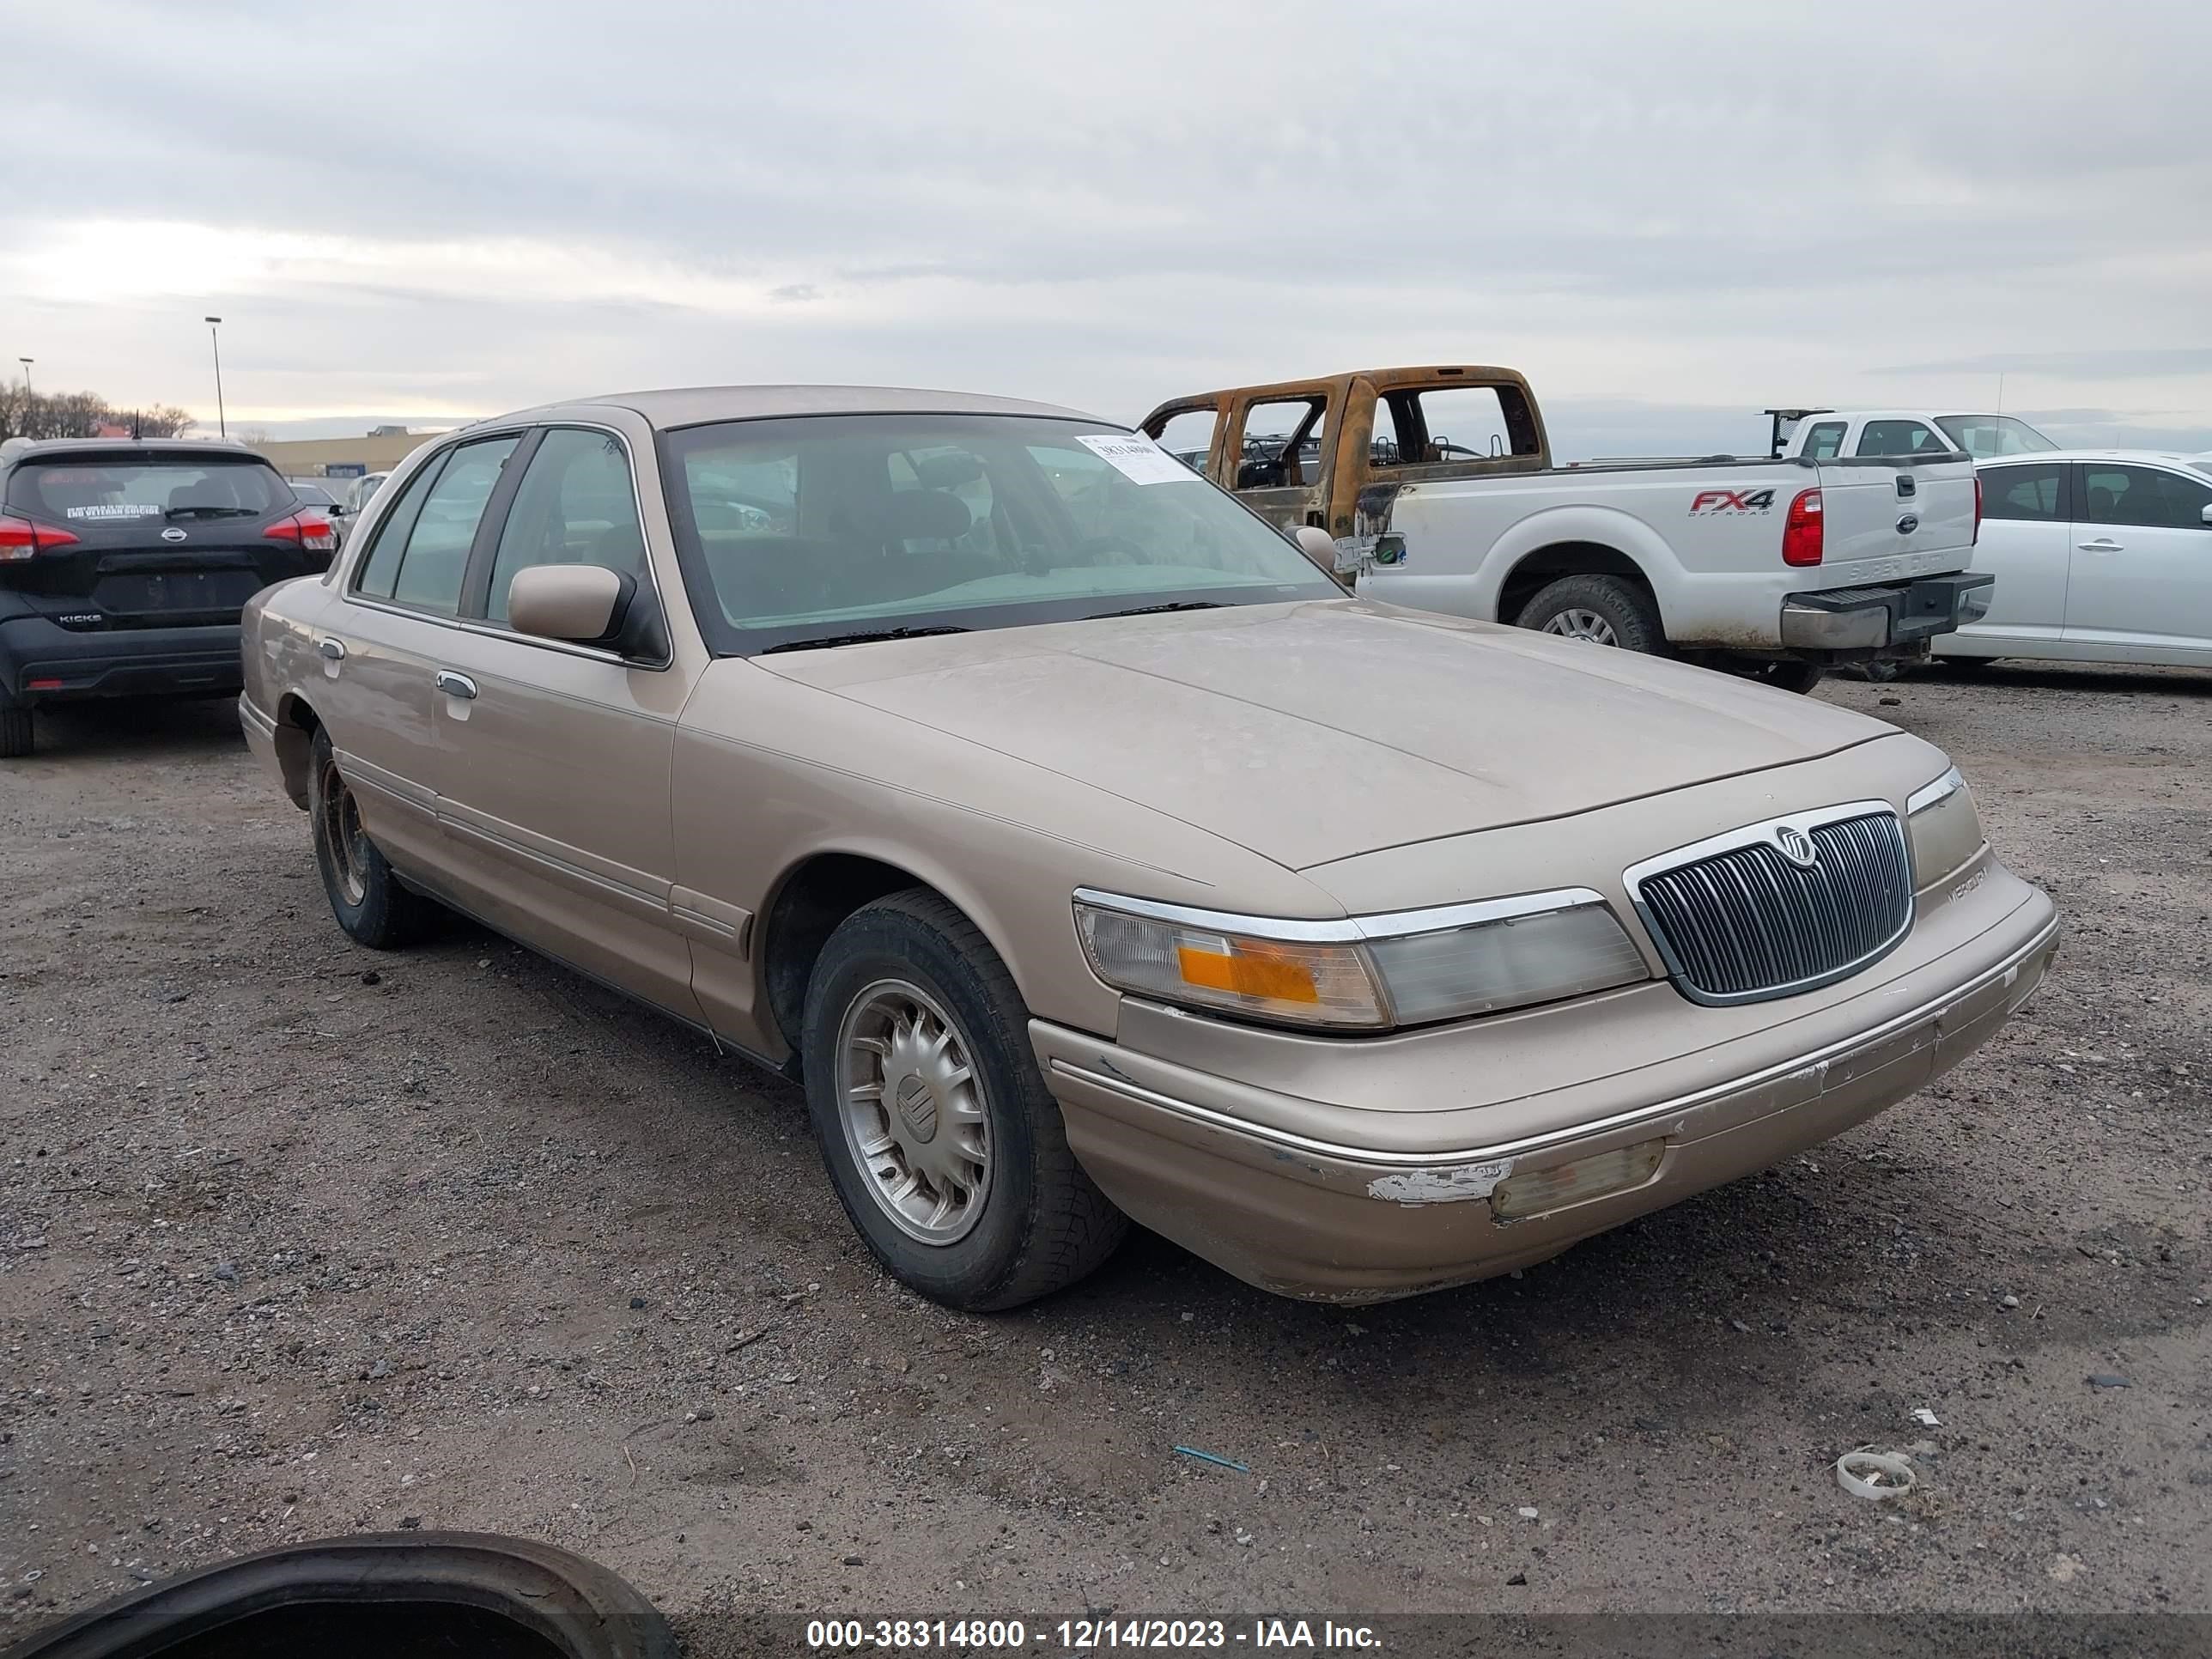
<point>1375,1157</point>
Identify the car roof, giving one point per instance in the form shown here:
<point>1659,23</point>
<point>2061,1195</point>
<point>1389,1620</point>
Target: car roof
<point>30,449</point>
<point>2155,457</point>
<point>696,406</point>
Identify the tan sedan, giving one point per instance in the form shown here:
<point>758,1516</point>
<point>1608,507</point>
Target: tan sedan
<point>1091,856</point>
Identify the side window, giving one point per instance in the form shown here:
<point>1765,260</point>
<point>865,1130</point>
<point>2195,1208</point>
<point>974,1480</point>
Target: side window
<point>1282,445</point>
<point>1462,423</point>
<point>437,552</point>
<point>1898,438</point>
<point>576,506</point>
<point>1384,448</point>
<point>2023,492</point>
<point>382,563</point>
<point>2142,495</point>
<point>1188,436</point>
<point>1825,441</point>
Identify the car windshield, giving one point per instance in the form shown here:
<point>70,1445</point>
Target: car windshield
<point>97,490</point>
<point>1984,435</point>
<point>832,529</point>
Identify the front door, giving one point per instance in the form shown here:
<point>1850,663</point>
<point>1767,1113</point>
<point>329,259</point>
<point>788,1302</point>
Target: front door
<point>553,761</point>
<point>2142,583</point>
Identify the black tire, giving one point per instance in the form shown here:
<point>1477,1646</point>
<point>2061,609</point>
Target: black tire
<point>1039,1222</point>
<point>14,733</point>
<point>364,895</point>
<point>1792,676</point>
<point>1625,607</point>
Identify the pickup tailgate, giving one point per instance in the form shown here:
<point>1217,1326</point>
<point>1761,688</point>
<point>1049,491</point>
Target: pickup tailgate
<point>1880,507</point>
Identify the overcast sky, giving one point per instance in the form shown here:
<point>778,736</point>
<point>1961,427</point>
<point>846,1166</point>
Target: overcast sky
<point>1667,217</point>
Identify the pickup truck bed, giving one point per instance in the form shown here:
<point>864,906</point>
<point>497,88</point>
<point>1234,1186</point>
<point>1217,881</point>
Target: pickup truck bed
<point>1771,566</point>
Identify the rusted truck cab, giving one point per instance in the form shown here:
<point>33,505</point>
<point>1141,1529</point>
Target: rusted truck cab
<point>1335,452</point>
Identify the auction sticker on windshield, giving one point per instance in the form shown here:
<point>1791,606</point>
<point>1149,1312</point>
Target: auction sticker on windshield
<point>118,510</point>
<point>1136,459</point>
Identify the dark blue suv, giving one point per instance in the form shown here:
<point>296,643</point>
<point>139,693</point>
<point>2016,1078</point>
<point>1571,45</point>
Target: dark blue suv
<point>124,565</point>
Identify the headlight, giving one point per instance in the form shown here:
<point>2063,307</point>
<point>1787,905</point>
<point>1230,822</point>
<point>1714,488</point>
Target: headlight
<point>1367,974</point>
<point>1945,827</point>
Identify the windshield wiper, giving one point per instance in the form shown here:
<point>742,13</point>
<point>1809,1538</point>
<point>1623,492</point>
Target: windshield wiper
<point>212,512</point>
<point>829,640</point>
<point>1155,610</point>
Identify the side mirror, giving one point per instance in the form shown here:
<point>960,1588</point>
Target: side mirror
<point>2206,515</point>
<point>1316,545</point>
<point>580,603</point>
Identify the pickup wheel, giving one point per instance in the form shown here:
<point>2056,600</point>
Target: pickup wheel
<point>944,1146</point>
<point>14,733</point>
<point>364,895</point>
<point>1601,610</point>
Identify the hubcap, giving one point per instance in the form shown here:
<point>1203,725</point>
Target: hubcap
<point>1580,624</point>
<point>342,834</point>
<point>913,1111</point>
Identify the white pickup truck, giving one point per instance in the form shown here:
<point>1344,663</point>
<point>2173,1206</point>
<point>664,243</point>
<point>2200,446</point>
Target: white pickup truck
<point>1822,434</point>
<point>1436,488</point>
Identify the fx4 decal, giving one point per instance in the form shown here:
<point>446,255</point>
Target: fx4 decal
<point>1710,502</point>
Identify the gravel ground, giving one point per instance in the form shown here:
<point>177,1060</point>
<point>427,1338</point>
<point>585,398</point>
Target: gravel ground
<point>297,1240</point>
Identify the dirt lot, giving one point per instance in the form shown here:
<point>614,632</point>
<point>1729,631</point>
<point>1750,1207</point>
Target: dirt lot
<point>298,1240</point>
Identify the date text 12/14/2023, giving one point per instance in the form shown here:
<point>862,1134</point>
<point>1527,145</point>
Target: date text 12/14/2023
<point>1089,1635</point>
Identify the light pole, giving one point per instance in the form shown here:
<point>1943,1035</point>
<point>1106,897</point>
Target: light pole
<point>222,425</point>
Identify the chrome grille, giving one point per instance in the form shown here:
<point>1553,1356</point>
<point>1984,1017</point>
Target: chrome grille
<point>1745,921</point>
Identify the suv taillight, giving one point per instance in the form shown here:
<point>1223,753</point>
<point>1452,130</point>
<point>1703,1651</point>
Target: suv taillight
<point>20,539</point>
<point>1801,531</point>
<point>310,531</point>
<point>1978,509</point>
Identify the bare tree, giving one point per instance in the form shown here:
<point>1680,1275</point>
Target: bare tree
<point>79,414</point>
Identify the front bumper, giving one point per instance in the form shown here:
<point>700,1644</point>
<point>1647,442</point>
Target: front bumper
<point>1898,619</point>
<point>41,662</point>
<point>1362,1205</point>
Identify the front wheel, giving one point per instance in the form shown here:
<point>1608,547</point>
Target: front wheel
<point>14,733</point>
<point>1599,609</point>
<point>942,1142</point>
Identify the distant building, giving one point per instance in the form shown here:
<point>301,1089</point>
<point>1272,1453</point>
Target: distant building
<point>380,450</point>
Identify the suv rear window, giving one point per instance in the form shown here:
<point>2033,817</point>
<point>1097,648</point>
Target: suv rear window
<point>66,490</point>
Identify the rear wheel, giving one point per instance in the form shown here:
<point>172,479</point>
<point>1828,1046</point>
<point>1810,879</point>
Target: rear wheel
<point>1598,610</point>
<point>14,733</point>
<point>365,894</point>
<point>944,1146</point>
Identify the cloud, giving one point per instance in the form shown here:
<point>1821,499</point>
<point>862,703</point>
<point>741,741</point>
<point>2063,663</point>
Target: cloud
<point>2074,365</point>
<point>1718,210</point>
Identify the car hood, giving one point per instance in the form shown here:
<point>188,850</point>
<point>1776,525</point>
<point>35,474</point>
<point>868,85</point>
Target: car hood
<point>1314,732</point>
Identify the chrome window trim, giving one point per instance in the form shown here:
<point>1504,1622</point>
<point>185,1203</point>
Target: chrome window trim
<point>1351,930</point>
<point>1934,795</point>
<point>1751,835</point>
<point>349,594</point>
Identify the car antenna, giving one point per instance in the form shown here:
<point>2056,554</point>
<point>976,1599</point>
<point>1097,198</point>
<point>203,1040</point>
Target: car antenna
<point>137,421</point>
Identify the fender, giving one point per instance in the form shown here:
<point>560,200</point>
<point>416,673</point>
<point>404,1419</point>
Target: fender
<point>1445,572</point>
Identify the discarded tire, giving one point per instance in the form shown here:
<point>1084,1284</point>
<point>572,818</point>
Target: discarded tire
<point>380,1596</point>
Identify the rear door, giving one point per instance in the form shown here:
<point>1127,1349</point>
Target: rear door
<point>1278,448</point>
<point>2026,543</point>
<point>1902,504</point>
<point>157,537</point>
<point>2143,562</point>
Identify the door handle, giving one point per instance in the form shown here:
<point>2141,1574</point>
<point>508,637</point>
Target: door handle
<point>2102,544</point>
<point>332,646</point>
<point>455,685</point>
